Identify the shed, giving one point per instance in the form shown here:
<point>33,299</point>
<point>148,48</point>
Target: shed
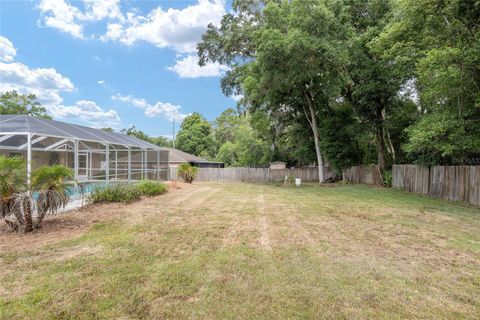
<point>278,165</point>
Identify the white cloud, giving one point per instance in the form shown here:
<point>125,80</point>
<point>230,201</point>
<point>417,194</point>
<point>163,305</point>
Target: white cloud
<point>139,103</point>
<point>47,84</point>
<point>159,109</point>
<point>178,29</point>
<point>7,50</point>
<point>165,110</point>
<point>101,81</point>
<point>62,16</point>
<point>87,111</point>
<point>98,10</point>
<point>188,68</point>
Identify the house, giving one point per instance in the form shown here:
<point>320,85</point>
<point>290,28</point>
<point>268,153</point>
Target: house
<point>176,157</point>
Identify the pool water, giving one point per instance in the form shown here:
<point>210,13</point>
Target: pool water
<point>76,191</point>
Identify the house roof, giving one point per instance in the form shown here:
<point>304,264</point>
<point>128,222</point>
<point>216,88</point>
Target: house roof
<point>20,124</point>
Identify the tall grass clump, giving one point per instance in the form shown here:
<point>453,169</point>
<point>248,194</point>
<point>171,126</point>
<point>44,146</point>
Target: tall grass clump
<point>121,192</point>
<point>151,188</point>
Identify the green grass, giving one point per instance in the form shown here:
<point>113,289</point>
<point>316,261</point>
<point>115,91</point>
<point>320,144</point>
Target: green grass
<point>224,251</point>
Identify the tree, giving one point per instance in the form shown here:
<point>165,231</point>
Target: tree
<point>224,127</point>
<point>237,142</point>
<point>436,43</point>
<point>270,39</point>
<point>374,80</point>
<point>13,103</point>
<point>162,142</point>
<point>195,136</point>
<point>139,134</point>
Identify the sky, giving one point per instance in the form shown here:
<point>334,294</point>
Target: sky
<point>113,63</point>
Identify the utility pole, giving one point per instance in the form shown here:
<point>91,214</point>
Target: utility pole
<point>173,138</point>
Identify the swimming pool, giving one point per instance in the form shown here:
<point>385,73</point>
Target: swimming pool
<point>75,191</point>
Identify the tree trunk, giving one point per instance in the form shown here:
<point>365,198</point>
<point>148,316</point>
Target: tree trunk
<point>388,140</point>
<point>313,125</point>
<point>380,140</point>
<point>27,209</point>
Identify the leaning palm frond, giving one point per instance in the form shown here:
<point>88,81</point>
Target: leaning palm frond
<point>50,182</point>
<point>49,201</point>
<point>52,177</point>
<point>12,180</point>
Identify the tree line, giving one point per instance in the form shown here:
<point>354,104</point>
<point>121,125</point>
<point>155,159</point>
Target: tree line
<point>355,81</point>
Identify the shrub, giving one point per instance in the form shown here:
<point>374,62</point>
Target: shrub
<point>126,193</point>
<point>50,182</point>
<point>116,193</point>
<point>387,177</point>
<point>23,212</point>
<point>151,188</point>
<point>187,172</point>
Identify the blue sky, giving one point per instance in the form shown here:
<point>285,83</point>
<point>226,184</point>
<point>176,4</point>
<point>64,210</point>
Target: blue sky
<point>112,63</point>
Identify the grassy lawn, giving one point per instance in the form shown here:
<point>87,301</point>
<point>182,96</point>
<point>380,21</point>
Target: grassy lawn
<point>215,251</point>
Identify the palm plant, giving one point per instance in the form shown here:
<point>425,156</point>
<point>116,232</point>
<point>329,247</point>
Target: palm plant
<point>50,184</point>
<point>12,181</point>
<point>187,172</point>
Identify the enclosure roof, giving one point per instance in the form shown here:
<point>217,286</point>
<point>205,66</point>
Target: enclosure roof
<point>27,124</point>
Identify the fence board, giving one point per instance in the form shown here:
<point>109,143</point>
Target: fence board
<point>455,183</point>
<point>363,174</point>
<point>243,174</point>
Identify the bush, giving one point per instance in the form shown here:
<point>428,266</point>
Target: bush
<point>117,193</point>
<point>387,177</point>
<point>127,192</point>
<point>151,188</point>
<point>187,172</point>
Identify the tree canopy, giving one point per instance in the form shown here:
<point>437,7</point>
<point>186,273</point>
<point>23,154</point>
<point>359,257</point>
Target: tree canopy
<point>11,102</point>
<point>375,81</point>
<point>195,136</point>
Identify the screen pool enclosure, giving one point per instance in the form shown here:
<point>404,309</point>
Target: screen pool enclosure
<point>93,154</point>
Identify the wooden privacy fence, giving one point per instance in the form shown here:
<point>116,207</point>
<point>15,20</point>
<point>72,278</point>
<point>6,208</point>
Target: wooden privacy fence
<point>456,183</point>
<point>363,174</point>
<point>240,174</point>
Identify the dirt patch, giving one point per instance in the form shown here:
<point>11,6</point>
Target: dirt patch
<point>75,223</point>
